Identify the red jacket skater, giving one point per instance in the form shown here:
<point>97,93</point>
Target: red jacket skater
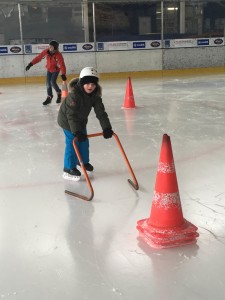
<point>54,61</point>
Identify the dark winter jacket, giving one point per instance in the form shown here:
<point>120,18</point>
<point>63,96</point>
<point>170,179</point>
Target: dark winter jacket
<point>54,61</point>
<point>75,109</point>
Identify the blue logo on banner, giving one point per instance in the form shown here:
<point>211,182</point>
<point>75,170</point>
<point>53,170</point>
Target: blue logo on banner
<point>167,43</point>
<point>100,46</point>
<point>71,47</point>
<point>138,45</point>
<point>28,49</point>
<point>203,42</point>
<point>3,50</point>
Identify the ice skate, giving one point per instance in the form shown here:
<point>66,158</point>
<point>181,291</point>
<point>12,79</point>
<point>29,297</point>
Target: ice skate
<point>58,100</point>
<point>88,167</point>
<point>72,174</point>
<point>48,100</point>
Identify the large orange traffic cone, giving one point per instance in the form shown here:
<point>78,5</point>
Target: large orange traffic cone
<point>64,90</point>
<point>166,226</point>
<point>129,96</point>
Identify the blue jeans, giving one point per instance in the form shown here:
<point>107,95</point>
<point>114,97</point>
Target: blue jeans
<point>51,83</point>
<point>70,157</point>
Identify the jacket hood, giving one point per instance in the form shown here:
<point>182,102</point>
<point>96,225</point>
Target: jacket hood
<point>72,84</point>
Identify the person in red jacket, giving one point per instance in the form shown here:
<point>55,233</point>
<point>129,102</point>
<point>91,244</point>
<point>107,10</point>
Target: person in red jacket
<point>54,65</point>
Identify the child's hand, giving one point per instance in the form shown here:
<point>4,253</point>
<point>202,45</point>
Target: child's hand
<point>107,133</point>
<point>80,136</point>
<point>28,66</point>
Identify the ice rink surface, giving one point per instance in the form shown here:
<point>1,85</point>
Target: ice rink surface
<point>54,246</point>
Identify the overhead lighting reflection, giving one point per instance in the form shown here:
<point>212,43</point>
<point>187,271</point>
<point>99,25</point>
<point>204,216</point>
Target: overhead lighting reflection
<point>172,8</point>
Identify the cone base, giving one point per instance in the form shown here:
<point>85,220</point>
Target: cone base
<point>185,228</point>
<point>130,107</point>
<point>154,245</point>
<point>167,237</point>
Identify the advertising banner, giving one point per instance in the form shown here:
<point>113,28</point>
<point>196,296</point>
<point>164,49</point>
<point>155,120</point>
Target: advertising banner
<point>114,46</point>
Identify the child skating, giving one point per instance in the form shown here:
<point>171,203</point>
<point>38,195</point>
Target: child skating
<point>85,94</point>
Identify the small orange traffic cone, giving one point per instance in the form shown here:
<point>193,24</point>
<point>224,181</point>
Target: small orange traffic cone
<point>129,96</point>
<point>64,90</point>
<point>166,226</point>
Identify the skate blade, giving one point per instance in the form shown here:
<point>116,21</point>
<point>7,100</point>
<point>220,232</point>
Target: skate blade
<point>70,177</point>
